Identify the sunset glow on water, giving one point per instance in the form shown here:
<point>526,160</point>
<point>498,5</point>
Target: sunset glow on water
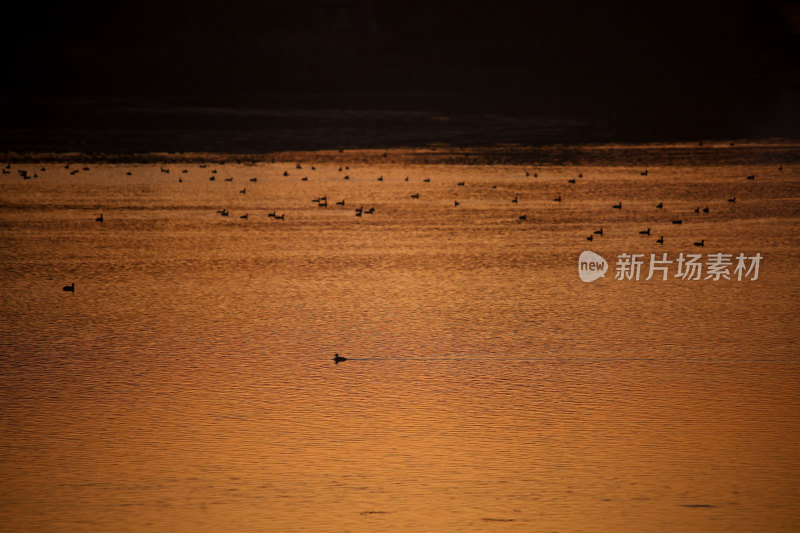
<point>187,383</point>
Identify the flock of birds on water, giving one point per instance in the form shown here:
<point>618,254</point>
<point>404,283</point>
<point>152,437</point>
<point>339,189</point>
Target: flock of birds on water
<point>322,201</point>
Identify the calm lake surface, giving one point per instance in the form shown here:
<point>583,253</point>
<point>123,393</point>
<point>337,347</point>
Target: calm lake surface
<point>187,384</point>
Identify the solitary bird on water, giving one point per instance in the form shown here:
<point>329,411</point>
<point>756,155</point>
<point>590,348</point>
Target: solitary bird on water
<point>69,288</point>
<point>338,358</point>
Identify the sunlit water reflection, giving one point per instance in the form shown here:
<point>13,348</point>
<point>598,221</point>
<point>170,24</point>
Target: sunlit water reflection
<point>187,383</point>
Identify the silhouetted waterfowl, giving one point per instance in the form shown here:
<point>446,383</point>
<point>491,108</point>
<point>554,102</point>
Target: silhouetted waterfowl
<point>214,171</point>
<point>580,175</point>
<point>323,202</point>
<point>557,199</point>
<point>660,240</point>
<point>677,221</point>
<point>696,209</point>
<point>341,202</point>
<point>460,183</point>
<point>243,191</point>
<point>380,178</point>
<point>304,178</point>
<point>370,211</point>
<point>732,200</point>
<point>705,209</point>
<point>285,172</point>
<point>455,203</point>
<point>228,179</point>
<point>298,167</point>
<point>100,218</point>
<point>340,169</point>
<point>313,167</point>
<point>571,180</point>
<point>751,177</point>
<point>85,168</point>
<point>426,180</point>
<point>535,175</point>
<point>660,205</point>
<point>523,217</point>
<point>780,167</point>
<point>203,166</point>
<point>617,206</point>
<point>280,217</point>
<point>415,195</point>
<point>244,216</point>
<point>338,358</point>
<point>644,173</point>
<point>271,214</point>
<point>527,174</point>
<point>212,178</point>
<point>645,232</point>
<point>224,212</point>
<point>590,238</point>
<point>69,288</point>
<point>599,231</point>
<point>701,243</point>
<point>184,171</point>
<point>406,178</point>
<point>163,170</point>
<point>254,180</point>
<point>347,177</point>
<point>129,173</point>
<point>515,200</point>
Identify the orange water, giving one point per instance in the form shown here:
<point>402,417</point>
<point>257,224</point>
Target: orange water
<point>187,384</point>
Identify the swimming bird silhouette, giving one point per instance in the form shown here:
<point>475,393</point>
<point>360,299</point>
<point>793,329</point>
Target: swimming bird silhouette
<point>571,180</point>
<point>558,199</point>
<point>338,358</point>
<point>340,202</point>
<point>660,240</point>
<point>701,243</point>
<point>285,172</point>
<point>455,204</point>
<point>100,218</point>
<point>660,205</point>
<point>590,237</point>
<point>460,183</point>
<point>426,180</point>
<point>244,216</point>
<point>644,173</point>
<point>617,206</point>
<point>732,200</point>
<point>523,217</point>
<point>599,231</point>
<point>69,288</point>
<point>705,209</point>
<point>515,200</point>
<point>696,209</point>
<point>645,232</point>
<point>415,195</point>
<point>677,221</point>
<point>751,177</point>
